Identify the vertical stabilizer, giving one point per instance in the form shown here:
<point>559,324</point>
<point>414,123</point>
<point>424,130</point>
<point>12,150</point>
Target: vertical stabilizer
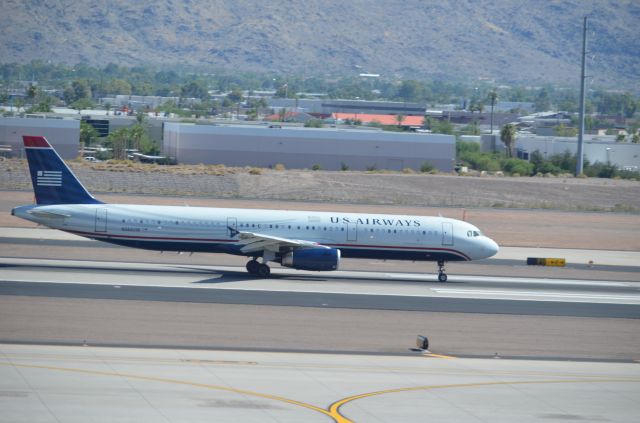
<point>53,181</point>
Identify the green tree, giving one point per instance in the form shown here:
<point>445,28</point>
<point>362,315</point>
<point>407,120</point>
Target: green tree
<point>82,104</point>
<point>493,98</point>
<point>32,91</point>
<point>118,140</point>
<point>542,101</point>
<point>621,138</point>
<point>442,127</point>
<point>314,123</point>
<point>79,89</point>
<point>118,86</point>
<point>235,95</point>
<point>195,89</point>
<point>400,119</point>
<point>508,138</point>
<point>566,131</point>
<point>87,134</point>
<point>43,106</point>
<point>411,91</point>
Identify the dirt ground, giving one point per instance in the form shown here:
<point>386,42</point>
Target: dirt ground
<point>509,227</point>
<point>442,190</point>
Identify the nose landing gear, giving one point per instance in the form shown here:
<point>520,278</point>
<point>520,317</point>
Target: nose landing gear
<point>442,276</point>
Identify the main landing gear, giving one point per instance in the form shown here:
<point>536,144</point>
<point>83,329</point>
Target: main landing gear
<point>256,268</point>
<point>442,276</point>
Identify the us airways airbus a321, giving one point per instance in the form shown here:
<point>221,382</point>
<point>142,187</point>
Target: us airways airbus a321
<point>297,239</point>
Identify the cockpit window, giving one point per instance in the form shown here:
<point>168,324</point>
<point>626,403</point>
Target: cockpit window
<point>473,234</point>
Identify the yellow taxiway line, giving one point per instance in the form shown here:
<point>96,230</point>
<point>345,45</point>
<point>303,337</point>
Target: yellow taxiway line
<point>333,411</point>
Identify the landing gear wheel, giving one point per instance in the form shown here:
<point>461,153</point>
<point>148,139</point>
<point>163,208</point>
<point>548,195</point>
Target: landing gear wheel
<point>442,276</point>
<point>263,270</point>
<point>252,267</point>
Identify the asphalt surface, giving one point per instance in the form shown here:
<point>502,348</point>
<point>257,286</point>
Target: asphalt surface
<point>136,304</point>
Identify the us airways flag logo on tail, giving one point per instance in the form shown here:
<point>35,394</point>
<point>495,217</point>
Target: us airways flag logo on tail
<point>49,178</point>
<point>47,184</point>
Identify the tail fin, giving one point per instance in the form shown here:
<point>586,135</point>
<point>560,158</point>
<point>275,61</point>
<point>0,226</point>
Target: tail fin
<point>53,181</point>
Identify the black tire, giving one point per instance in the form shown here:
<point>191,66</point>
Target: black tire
<point>442,277</point>
<point>263,270</point>
<point>252,267</point>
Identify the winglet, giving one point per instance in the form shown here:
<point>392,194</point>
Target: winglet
<point>53,181</point>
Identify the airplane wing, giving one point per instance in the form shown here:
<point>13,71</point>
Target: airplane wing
<point>253,242</point>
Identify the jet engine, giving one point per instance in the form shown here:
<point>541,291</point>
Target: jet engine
<point>317,258</point>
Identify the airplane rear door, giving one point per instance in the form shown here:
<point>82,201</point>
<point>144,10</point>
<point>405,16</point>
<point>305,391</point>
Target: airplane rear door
<point>101,219</point>
<point>447,233</point>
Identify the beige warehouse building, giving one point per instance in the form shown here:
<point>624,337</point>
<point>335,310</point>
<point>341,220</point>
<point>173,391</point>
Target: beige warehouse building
<point>300,148</point>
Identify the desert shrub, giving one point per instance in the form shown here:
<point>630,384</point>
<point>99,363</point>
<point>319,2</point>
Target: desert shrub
<point>513,166</point>
<point>426,167</point>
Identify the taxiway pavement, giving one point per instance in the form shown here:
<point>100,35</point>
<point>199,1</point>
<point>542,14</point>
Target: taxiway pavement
<point>41,384</point>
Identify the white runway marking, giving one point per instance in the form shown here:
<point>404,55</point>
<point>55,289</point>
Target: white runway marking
<point>341,282</point>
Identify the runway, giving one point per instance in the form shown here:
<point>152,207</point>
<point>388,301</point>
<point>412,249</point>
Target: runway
<point>179,338</point>
<point>346,311</point>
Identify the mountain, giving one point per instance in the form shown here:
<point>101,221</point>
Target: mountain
<point>522,41</point>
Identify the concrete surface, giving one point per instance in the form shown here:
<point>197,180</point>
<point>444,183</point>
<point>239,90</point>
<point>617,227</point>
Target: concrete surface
<point>79,384</point>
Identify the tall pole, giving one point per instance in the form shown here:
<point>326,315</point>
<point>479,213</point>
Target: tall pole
<point>580,160</point>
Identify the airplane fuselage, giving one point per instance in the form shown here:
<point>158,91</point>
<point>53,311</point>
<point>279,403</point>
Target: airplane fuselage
<point>200,229</point>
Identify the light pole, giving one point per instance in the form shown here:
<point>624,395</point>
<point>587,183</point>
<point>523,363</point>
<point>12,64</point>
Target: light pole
<point>579,161</point>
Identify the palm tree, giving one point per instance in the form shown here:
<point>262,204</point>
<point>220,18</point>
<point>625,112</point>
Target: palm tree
<point>493,97</point>
<point>508,137</point>
<point>400,119</point>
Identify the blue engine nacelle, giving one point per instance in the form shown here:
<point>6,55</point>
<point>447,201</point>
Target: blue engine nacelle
<point>317,258</point>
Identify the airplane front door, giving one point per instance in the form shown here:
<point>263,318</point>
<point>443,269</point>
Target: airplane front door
<point>101,220</point>
<point>447,233</point>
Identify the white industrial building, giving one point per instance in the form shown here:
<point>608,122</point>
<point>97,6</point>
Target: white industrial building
<point>300,148</point>
<point>596,149</point>
<point>63,134</point>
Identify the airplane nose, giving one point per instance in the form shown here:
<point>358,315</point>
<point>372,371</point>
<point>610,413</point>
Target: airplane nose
<point>491,247</point>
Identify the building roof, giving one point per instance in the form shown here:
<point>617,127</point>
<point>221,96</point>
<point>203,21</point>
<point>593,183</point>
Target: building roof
<point>381,119</point>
